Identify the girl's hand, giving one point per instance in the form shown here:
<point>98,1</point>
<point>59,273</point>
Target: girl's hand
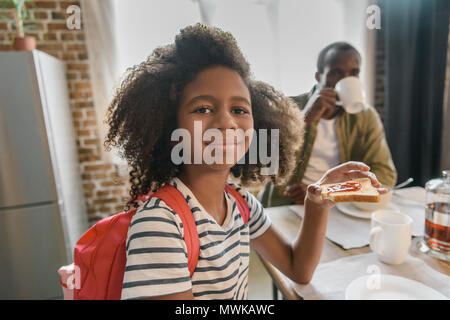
<point>344,172</point>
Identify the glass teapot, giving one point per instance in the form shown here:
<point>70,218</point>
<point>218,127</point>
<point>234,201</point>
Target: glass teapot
<point>437,217</point>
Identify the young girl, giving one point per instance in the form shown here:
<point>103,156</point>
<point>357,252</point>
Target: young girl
<point>204,78</point>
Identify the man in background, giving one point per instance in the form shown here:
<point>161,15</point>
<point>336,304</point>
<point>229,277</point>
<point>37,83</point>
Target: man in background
<point>333,136</point>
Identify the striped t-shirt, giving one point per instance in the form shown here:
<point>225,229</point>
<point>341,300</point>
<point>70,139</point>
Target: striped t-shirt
<point>157,261</point>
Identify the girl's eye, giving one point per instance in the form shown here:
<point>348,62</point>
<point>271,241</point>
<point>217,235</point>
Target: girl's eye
<point>238,110</point>
<point>203,110</point>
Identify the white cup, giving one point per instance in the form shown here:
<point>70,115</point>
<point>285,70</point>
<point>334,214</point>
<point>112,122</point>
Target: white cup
<point>390,236</point>
<point>350,94</point>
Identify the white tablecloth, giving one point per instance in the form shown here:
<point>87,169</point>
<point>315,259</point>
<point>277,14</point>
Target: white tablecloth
<point>331,279</point>
<point>350,232</point>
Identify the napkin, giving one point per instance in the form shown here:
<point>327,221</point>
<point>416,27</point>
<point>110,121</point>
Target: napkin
<point>411,201</point>
<point>413,194</point>
<point>351,232</point>
<point>344,230</point>
<point>331,279</point>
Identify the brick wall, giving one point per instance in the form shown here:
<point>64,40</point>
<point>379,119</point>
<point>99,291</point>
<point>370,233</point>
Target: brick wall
<point>105,191</point>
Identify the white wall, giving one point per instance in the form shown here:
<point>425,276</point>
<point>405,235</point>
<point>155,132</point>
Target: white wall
<point>143,25</point>
<point>306,28</point>
<point>281,43</point>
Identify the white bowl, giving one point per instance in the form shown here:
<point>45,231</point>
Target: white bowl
<point>373,206</point>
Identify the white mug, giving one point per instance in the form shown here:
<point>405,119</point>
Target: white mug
<point>350,94</point>
<point>390,235</point>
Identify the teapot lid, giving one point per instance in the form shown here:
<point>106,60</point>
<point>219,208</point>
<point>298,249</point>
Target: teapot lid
<point>446,174</point>
<point>440,185</point>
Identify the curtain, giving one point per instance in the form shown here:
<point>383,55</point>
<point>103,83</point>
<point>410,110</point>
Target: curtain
<point>415,41</point>
<point>99,22</point>
<point>445,156</point>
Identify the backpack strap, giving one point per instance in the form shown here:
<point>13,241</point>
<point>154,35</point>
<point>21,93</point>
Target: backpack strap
<point>176,201</point>
<point>240,201</point>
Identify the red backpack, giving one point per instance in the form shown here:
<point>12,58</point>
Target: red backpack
<point>100,254</point>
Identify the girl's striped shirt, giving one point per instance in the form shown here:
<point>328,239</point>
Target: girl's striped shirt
<point>157,258</point>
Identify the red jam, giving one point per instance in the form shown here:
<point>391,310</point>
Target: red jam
<point>344,187</point>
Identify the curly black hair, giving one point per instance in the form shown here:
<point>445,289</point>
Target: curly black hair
<point>338,46</point>
<point>142,115</point>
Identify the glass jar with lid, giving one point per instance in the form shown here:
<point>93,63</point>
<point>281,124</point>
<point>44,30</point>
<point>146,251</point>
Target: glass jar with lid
<point>436,240</point>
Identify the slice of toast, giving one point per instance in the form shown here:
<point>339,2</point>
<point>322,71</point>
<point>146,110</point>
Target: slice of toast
<point>366,193</point>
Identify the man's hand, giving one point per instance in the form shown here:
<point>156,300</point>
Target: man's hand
<point>296,193</point>
<point>322,102</point>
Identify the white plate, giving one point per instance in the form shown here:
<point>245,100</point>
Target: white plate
<point>389,287</point>
<point>349,209</point>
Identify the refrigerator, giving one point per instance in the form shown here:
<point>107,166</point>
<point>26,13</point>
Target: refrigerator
<point>42,205</point>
